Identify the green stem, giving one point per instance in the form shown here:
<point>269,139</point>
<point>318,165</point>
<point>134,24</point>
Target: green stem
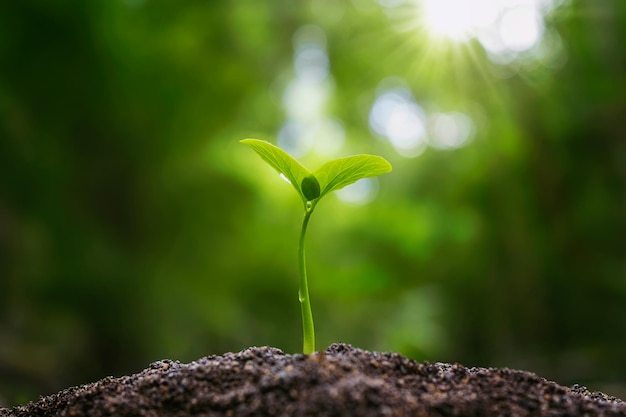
<point>308,330</point>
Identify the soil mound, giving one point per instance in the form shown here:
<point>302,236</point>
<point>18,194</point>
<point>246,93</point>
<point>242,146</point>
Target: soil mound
<point>340,381</point>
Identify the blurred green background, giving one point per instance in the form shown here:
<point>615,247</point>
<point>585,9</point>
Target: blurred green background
<point>134,227</point>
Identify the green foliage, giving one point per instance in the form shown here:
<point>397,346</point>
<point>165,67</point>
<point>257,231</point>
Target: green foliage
<point>282,162</point>
<point>338,173</point>
<point>333,175</point>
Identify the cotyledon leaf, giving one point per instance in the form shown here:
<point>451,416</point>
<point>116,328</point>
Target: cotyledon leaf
<point>285,164</point>
<point>338,173</point>
<point>310,188</point>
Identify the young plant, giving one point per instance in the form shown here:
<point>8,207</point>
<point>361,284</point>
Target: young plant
<point>312,186</point>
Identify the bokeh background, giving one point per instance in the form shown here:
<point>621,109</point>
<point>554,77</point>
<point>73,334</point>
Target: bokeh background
<point>134,226</point>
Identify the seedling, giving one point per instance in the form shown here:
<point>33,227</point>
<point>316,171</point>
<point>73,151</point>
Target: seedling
<point>312,186</point>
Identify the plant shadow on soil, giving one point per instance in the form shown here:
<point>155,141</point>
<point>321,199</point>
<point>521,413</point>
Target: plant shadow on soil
<point>340,381</point>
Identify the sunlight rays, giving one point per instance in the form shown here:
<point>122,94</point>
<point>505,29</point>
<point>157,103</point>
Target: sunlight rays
<point>453,51</point>
<point>507,30</point>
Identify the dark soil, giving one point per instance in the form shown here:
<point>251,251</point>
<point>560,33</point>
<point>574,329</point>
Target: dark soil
<point>341,381</point>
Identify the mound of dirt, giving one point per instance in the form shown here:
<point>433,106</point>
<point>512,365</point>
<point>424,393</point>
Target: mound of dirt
<point>340,381</point>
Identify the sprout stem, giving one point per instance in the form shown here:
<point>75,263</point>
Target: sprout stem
<point>308,330</point>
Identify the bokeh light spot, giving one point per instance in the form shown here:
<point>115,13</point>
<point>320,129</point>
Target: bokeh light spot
<point>311,63</point>
<point>329,137</point>
<point>308,35</point>
<point>361,192</point>
<point>305,100</point>
<point>449,130</point>
<point>396,116</point>
<point>293,139</point>
<point>521,28</point>
<point>308,128</point>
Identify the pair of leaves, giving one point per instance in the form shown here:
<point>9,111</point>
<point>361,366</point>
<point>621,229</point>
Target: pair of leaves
<point>333,175</point>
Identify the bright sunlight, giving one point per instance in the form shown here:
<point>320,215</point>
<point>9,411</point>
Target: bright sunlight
<point>505,28</point>
<point>458,19</point>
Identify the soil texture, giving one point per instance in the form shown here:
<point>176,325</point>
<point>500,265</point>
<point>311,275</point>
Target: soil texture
<point>340,381</point>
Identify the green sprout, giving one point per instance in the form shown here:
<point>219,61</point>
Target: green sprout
<point>312,186</point>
